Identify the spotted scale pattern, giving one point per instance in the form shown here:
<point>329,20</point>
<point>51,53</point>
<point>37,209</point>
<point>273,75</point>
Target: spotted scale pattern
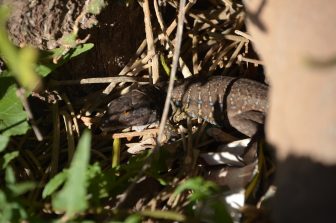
<point>219,99</point>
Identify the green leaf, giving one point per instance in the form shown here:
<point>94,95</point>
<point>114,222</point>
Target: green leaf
<point>55,183</point>
<point>10,176</point>
<point>96,6</point>
<point>221,213</point>
<point>134,218</point>
<point>25,73</point>
<point>9,157</point>
<point>11,211</point>
<point>72,198</point>
<point>5,208</point>
<point>13,119</point>
<point>3,142</point>
<point>46,65</point>
<point>21,188</point>
<point>94,170</point>
<point>201,188</point>
<point>77,51</point>
<point>44,69</point>
<point>164,64</point>
<point>100,183</point>
<point>20,61</point>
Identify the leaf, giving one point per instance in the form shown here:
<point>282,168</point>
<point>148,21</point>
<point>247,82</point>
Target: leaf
<point>9,157</point>
<point>164,64</point>
<point>72,198</point>
<point>77,51</point>
<point>69,40</point>
<point>100,183</point>
<point>96,6</point>
<point>10,176</point>
<point>46,66</point>
<point>221,213</point>
<point>94,170</point>
<point>134,218</point>
<point>20,61</point>
<point>25,73</point>
<point>21,188</point>
<point>202,189</point>
<point>5,208</point>
<point>3,142</point>
<point>13,119</point>
<point>11,210</point>
<point>54,183</point>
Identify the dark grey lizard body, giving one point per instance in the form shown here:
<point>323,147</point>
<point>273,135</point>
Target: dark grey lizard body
<point>220,99</point>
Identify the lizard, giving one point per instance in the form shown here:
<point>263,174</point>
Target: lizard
<point>218,100</point>
<point>221,99</point>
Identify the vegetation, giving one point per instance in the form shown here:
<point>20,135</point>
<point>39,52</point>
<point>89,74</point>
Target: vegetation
<point>54,171</point>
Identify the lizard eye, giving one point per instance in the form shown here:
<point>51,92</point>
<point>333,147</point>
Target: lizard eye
<point>178,103</point>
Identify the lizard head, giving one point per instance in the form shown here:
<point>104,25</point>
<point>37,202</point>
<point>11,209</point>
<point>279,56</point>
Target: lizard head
<point>136,108</point>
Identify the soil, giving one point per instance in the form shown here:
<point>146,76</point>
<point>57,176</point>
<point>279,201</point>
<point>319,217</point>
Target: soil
<point>43,24</point>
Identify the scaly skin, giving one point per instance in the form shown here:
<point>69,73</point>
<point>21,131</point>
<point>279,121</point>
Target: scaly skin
<point>241,102</point>
<point>219,99</point>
